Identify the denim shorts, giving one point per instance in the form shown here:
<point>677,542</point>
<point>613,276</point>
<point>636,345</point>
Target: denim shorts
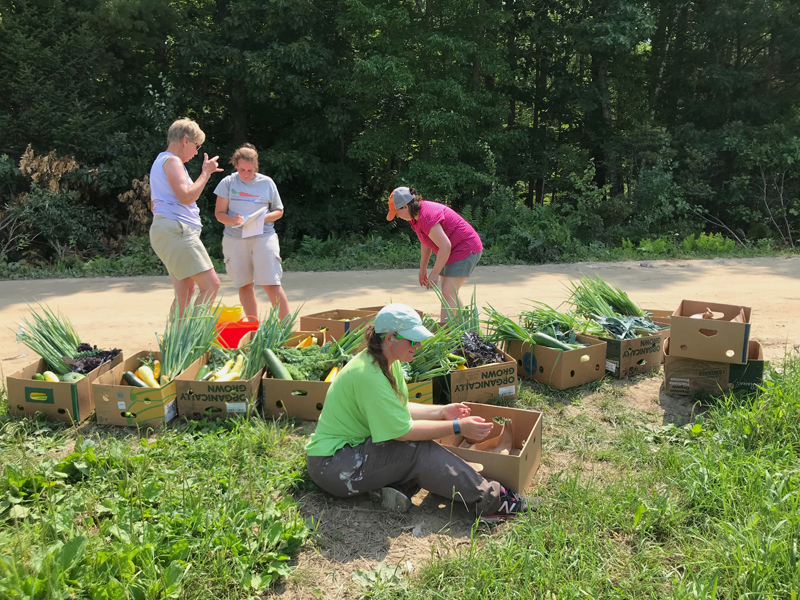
<point>463,267</point>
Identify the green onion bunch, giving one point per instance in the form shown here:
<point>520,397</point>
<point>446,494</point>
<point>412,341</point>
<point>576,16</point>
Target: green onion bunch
<point>51,336</point>
<point>186,337</point>
<point>548,320</point>
<point>433,357</point>
<point>273,332</point>
<point>596,297</point>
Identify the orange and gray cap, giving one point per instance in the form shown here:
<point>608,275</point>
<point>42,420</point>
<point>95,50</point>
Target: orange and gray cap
<point>398,199</point>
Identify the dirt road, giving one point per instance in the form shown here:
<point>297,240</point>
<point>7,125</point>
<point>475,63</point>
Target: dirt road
<point>127,312</point>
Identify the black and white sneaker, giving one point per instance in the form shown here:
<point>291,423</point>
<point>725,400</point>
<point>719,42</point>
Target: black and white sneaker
<point>511,505</point>
<point>391,499</point>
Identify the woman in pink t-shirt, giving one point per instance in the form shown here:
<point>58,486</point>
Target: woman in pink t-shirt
<point>442,230</point>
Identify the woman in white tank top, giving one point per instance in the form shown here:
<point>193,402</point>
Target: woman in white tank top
<point>175,232</point>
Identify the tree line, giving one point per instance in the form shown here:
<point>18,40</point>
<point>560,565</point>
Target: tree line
<point>551,121</point>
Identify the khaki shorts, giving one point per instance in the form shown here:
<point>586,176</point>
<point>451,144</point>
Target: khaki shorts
<point>253,260</point>
<point>179,247</point>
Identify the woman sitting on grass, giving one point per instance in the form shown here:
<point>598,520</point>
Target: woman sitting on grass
<point>371,439</point>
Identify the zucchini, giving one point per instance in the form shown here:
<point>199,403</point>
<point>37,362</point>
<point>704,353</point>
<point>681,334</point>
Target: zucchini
<point>275,365</point>
<point>133,380</point>
<point>204,370</point>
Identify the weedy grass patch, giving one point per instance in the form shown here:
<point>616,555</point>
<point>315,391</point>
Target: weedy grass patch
<point>707,510</point>
<point>200,512</point>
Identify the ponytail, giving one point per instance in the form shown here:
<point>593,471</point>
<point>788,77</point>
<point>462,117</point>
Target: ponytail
<point>375,350</point>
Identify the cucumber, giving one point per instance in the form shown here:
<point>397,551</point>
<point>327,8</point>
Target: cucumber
<point>204,370</point>
<point>275,365</point>
<point>133,380</point>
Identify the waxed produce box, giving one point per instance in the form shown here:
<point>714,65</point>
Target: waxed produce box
<point>641,355</point>
<point>513,471</point>
<point>420,392</point>
<point>560,369</point>
<point>336,322</point>
<point>477,384</point>
<point>723,338</point>
<point>117,403</point>
<point>376,309</point>
<point>686,376</point>
<point>56,400</point>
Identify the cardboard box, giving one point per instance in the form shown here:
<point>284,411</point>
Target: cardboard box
<point>478,384</point>
<point>626,358</point>
<point>212,400</point>
<point>331,320</point>
<point>57,401</point>
<point>420,392</point>
<point>685,376</point>
<point>514,472</point>
<point>561,369</point>
<point>302,399</point>
<point>718,339</point>
<point>117,403</point>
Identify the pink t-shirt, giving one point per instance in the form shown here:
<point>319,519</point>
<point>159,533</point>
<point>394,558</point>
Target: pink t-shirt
<point>464,240</point>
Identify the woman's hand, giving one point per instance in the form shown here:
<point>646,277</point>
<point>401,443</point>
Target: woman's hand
<point>423,277</point>
<point>475,428</point>
<point>454,411</point>
<point>432,280</point>
<point>238,220</point>
<point>210,165</point>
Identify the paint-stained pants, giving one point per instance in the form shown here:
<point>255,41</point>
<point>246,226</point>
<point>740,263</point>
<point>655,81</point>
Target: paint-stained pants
<point>370,466</point>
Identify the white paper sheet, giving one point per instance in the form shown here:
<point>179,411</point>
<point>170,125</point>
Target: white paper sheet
<point>254,224</point>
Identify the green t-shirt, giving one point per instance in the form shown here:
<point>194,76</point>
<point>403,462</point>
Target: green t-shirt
<point>360,404</point>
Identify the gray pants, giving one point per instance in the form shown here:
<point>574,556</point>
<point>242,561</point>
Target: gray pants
<point>370,466</point>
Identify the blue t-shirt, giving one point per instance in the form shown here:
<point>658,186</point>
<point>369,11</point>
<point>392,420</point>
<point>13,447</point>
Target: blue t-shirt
<point>245,198</point>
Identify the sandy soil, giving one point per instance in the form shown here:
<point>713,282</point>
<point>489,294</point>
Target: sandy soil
<point>352,534</point>
<point>128,312</point>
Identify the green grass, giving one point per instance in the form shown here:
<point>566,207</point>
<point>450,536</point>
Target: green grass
<point>631,508</point>
<point>203,511</point>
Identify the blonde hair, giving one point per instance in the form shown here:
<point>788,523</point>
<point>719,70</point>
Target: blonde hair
<point>185,127</point>
<point>245,152</point>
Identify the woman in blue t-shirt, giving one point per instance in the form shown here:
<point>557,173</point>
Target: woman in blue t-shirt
<point>249,244</point>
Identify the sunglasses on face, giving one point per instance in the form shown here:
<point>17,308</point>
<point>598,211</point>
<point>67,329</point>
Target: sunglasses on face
<point>400,337</point>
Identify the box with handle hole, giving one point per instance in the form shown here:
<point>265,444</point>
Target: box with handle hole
<point>117,403</point>
<point>516,469</point>
<point>710,331</point>
<point>641,355</point>
<point>561,369</point>
<point>57,400</point>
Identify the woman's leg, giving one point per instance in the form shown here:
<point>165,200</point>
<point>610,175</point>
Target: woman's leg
<point>207,284</point>
<point>277,295</point>
<point>371,466</point>
<point>184,288</point>
<point>247,296</point>
<point>450,287</point>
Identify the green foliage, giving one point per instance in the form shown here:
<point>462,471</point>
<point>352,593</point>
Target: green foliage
<point>608,120</point>
<point>157,520</point>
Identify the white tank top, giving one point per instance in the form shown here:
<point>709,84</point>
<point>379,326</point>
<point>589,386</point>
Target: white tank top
<point>165,202</point>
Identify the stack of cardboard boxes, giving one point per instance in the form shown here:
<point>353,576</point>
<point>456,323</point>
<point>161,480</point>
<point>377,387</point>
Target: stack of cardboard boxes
<point>709,350</point>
